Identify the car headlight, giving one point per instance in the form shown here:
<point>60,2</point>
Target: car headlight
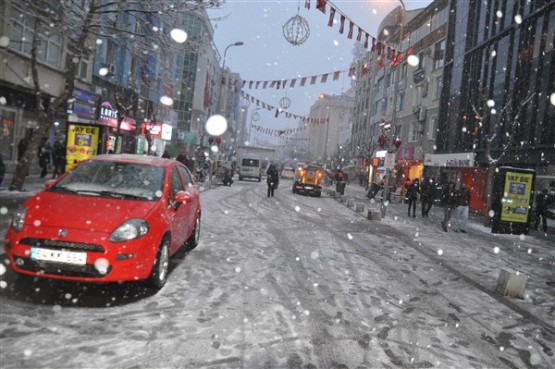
<point>130,230</point>
<point>18,219</point>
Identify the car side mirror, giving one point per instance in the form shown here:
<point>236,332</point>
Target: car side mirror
<point>183,197</point>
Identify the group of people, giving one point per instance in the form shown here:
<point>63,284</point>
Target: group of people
<point>49,156</point>
<point>455,202</point>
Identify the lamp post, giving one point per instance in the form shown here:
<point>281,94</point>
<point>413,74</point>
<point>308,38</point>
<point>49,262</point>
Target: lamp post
<point>238,43</point>
<point>391,135</point>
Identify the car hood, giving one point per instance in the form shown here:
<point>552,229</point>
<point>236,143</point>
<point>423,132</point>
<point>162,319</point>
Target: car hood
<point>48,209</point>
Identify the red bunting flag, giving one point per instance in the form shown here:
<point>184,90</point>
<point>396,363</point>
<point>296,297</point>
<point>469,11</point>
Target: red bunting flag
<point>303,81</point>
<point>324,78</point>
<point>366,41</point>
<point>336,75</point>
<point>332,16</point>
<point>342,24</point>
<point>321,5</point>
<point>293,82</point>
<point>350,34</point>
<point>307,4</point>
<point>359,36</point>
<point>313,80</point>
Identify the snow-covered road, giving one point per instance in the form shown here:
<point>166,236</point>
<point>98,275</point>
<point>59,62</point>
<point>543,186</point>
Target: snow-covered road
<point>283,282</point>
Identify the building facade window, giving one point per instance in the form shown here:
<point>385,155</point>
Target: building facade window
<point>439,54</point>
<point>438,87</point>
<point>21,31</point>
<point>413,132</point>
<point>431,128</point>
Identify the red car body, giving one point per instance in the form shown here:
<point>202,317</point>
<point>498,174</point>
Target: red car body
<point>70,229</point>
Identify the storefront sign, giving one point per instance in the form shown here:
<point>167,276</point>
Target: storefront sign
<point>82,143</point>
<point>405,153</point>
<point>465,159</point>
<point>516,197</point>
<point>389,161</point>
<point>109,117</point>
<point>167,132</point>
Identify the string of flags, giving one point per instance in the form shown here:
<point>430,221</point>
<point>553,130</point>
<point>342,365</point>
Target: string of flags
<point>378,46</point>
<point>284,133</point>
<point>278,111</point>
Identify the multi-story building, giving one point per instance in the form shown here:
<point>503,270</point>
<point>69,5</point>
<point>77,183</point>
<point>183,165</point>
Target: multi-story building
<point>330,116</point>
<point>499,73</point>
<point>399,100</point>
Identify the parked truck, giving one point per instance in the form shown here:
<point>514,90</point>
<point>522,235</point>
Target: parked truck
<point>252,161</point>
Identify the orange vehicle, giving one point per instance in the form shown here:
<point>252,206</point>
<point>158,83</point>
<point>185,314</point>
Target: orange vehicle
<point>308,180</point>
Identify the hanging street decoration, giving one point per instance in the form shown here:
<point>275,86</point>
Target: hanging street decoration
<point>296,30</point>
<point>285,102</point>
<point>382,49</point>
<point>286,83</point>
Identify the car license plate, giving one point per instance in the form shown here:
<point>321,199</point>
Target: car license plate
<point>309,187</point>
<point>60,256</point>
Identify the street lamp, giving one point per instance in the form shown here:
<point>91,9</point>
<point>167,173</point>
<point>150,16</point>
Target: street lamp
<point>220,103</point>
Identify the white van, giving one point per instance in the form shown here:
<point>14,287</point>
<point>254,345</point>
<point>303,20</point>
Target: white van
<point>250,168</point>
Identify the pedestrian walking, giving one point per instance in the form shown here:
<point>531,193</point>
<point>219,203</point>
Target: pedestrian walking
<point>183,158</point>
<point>449,203</point>
<point>542,202</point>
<point>427,192</point>
<point>272,179</point>
<point>22,147</point>
<point>461,212</point>
<point>58,159</point>
<point>412,191</point>
<point>44,157</point>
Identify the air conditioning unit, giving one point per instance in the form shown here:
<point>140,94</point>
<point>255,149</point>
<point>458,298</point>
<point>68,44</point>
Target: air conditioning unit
<point>111,69</point>
<point>422,115</point>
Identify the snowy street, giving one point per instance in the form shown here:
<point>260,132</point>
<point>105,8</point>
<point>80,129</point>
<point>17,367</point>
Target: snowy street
<point>299,282</point>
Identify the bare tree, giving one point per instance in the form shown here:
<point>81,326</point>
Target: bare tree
<point>509,117</point>
<point>81,23</point>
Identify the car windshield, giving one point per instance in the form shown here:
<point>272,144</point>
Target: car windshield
<point>109,179</point>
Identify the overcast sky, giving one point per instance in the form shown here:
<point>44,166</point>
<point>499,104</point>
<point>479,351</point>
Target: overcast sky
<point>266,54</point>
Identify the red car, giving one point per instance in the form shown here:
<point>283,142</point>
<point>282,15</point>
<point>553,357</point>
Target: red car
<point>112,218</point>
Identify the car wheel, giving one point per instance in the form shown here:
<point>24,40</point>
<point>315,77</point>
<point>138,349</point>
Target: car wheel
<point>192,242</point>
<point>159,274</point>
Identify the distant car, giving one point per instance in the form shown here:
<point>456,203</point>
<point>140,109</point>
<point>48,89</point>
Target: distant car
<point>288,173</point>
<point>112,218</point>
<point>308,180</point>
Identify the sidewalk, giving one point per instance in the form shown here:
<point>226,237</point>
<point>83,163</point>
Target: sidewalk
<point>477,256</point>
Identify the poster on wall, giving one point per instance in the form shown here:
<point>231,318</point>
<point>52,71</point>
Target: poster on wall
<point>82,143</point>
<point>512,200</point>
<point>516,197</point>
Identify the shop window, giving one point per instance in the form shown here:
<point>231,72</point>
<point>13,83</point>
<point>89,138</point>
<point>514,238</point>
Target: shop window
<point>7,118</point>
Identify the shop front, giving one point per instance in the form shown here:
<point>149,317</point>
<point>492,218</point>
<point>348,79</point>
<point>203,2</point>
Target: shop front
<point>459,168</point>
<point>407,166</point>
<point>153,138</point>
<point>114,140</point>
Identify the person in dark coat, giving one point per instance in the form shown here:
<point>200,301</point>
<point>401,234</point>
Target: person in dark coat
<point>44,157</point>
<point>461,213</point>
<point>183,158</point>
<point>166,154</point>
<point>58,159</point>
<point>413,189</point>
<point>542,202</point>
<point>427,191</point>
<point>272,179</point>
<point>449,203</point>
<point>22,147</point>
